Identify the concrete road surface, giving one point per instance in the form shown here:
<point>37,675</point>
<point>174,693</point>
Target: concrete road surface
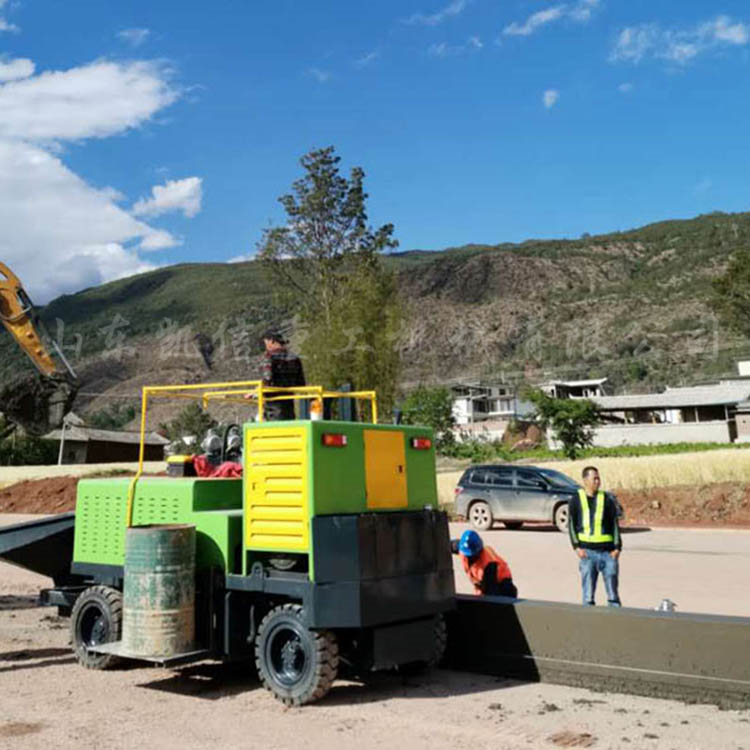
<point>702,570</point>
<point>48,701</point>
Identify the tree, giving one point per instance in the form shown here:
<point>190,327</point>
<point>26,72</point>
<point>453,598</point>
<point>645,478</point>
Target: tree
<point>572,420</point>
<point>191,421</point>
<point>327,262</point>
<point>731,293</point>
<point>432,407</point>
<point>113,417</point>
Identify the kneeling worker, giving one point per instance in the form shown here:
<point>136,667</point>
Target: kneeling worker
<point>487,571</point>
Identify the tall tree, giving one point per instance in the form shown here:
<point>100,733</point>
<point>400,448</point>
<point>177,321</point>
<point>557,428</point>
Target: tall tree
<point>572,420</point>
<point>327,262</point>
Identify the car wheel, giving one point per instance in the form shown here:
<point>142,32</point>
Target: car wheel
<point>480,516</point>
<point>561,517</point>
<point>513,525</point>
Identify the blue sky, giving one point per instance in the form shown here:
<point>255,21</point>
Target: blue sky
<point>475,121</point>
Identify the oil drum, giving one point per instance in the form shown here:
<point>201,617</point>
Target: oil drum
<point>158,616</point>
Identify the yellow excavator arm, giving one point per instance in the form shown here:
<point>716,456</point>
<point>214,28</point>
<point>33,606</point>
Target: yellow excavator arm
<point>42,405</point>
<point>17,315</point>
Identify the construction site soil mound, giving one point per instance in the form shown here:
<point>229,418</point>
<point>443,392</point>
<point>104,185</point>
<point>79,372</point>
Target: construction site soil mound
<point>720,504</point>
<point>711,505</point>
<point>54,495</point>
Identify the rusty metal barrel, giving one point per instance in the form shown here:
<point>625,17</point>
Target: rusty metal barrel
<point>158,616</point>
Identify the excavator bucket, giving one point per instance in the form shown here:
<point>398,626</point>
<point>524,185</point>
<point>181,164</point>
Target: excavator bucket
<point>37,403</point>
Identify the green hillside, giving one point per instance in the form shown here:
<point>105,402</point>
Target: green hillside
<point>628,305</point>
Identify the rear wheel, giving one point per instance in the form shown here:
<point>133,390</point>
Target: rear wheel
<point>480,515</point>
<point>439,644</point>
<point>96,619</point>
<point>513,525</point>
<point>561,517</point>
<point>296,664</point>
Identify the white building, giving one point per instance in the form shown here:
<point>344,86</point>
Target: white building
<point>574,388</point>
<point>475,402</point>
<point>695,414</point>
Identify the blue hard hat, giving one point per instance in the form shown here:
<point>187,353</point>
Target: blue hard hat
<point>470,543</point>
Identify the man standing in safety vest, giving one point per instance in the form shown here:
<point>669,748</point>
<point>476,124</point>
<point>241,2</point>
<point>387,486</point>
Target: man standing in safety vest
<point>595,536</point>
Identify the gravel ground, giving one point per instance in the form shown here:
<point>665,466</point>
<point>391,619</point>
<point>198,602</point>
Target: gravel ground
<point>49,701</point>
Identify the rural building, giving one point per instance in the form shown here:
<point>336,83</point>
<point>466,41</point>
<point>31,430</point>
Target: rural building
<point>484,410</point>
<point>575,388</point>
<point>714,413</point>
<point>89,445</point>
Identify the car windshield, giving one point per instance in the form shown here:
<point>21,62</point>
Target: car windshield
<point>558,479</point>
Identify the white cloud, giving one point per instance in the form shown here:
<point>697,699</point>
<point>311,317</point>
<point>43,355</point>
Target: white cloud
<point>59,234</point>
<point>321,76</point>
<point>550,98</point>
<point>5,25</point>
<point>625,88</point>
<point>176,195</point>
<point>93,101</point>
<point>361,62</point>
<point>579,12</point>
<point>535,21</point>
<point>473,44</point>
<point>637,43</point>
<point>134,37</point>
<point>454,8</point>
<point>15,70</point>
<point>241,258</point>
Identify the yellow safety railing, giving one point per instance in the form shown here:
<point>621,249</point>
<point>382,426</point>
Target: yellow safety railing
<point>244,392</point>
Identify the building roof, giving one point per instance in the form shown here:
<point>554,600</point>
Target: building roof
<point>83,434</point>
<point>578,383</point>
<point>719,394</point>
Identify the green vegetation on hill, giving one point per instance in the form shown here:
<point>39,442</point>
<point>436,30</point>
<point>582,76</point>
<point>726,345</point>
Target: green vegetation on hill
<point>632,306</point>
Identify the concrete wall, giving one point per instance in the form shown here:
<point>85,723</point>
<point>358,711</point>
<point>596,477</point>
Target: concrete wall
<point>662,434</point>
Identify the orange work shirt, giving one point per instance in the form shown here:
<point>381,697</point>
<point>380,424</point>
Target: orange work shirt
<point>475,568</point>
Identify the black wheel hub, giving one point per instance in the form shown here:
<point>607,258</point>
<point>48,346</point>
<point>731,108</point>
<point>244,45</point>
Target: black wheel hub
<point>287,657</point>
<point>93,628</point>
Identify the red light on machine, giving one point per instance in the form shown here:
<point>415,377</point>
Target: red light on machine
<point>334,440</point>
<point>421,443</point>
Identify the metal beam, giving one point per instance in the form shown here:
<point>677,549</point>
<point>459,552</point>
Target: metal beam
<point>697,658</point>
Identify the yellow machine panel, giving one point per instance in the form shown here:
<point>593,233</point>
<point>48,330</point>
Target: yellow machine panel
<point>385,469</point>
<point>276,489</point>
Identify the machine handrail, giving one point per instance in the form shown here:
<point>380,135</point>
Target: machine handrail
<point>245,392</point>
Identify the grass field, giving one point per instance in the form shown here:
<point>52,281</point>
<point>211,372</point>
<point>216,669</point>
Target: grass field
<point>643,472</point>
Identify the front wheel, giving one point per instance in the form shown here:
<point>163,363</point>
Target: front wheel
<point>561,517</point>
<point>96,619</point>
<point>296,664</point>
<point>480,516</point>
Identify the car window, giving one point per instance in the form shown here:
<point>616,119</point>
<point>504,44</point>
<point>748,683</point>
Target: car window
<point>500,477</point>
<point>559,480</point>
<point>529,479</point>
<point>478,476</point>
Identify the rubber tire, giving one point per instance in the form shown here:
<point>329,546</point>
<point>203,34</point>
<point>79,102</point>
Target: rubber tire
<point>321,653</point>
<point>513,525</point>
<point>440,643</point>
<point>485,520</point>
<point>109,603</point>
<point>560,517</point>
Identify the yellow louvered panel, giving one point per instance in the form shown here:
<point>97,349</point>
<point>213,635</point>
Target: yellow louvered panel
<point>276,499</point>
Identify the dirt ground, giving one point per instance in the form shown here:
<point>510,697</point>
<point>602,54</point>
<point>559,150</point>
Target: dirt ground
<point>48,701</point>
<point>713,505</point>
